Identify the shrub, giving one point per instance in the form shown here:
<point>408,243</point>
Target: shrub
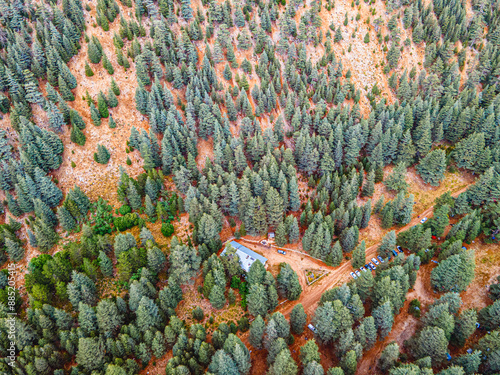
<point>125,209</point>
<point>128,221</point>
<point>167,229</point>
<point>198,314</point>
<point>243,324</point>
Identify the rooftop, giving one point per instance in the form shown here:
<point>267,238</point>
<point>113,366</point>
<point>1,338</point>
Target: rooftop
<point>247,256</point>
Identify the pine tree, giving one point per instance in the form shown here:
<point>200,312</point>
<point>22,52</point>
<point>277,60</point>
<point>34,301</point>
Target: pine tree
<point>432,167</point>
<point>90,353</point>
<point>112,99</point>
<point>107,64</point>
<point>14,250</point>
<point>156,259</point>
<point>94,115</point>
<point>102,155</point>
<point>294,194</point>
<point>227,74</point>
<point>77,136</point>
<point>94,52</point>
<point>274,208</point>
<point>257,332</point>
<point>294,233</point>
<point>389,356</point>
<point>396,180</point>
<point>217,298</point>
<point>280,238</point>
<point>384,318</point>
<point>102,105</point>
<point>359,255</point>
<point>387,245</point>
<point>88,70</point>
<point>105,265</point>
<point>76,119</point>
<point>369,186</point>
<point>298,319</point>
<point>66,219</point>
<point>114,87</point>
<point>65,91</point>
<point>45,235</point>
<point>133,197</point>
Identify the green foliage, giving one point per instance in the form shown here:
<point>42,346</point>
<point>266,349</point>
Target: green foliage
<point>432,167</point>
<point>102,155</point>
<point>288,283</point>
<point>122,223</point>
<point>167,229</point>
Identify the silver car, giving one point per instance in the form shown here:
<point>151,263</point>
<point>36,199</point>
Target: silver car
<point>375,261</point>
<point>381,259</point>
<point>353,275</point>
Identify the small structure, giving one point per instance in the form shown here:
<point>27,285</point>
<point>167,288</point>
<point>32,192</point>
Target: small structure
<point>270,236</point>
<point>247,256</point>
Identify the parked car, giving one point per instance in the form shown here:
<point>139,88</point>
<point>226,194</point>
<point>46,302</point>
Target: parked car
<point>282,252</point>
<point>375,261</point>
<point>394,253</point>
<point>353,275</point>
<point>400,249</point>
<point>380,259</point>
<point>363,269</point>
<point>423,220</point>
<point>358,274</point>
<point>312,328</point>
<point>464,248</point>
<point>372,266</point>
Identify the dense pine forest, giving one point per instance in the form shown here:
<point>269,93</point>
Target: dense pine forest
<point>152,153</point>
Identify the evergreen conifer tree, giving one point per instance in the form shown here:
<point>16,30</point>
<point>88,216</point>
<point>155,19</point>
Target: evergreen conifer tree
<point>102,155</point>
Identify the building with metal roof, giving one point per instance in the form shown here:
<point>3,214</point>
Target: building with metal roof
<point>247,256</point>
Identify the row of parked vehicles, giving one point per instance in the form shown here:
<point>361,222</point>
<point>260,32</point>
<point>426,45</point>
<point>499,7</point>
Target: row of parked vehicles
<point>374,263</point>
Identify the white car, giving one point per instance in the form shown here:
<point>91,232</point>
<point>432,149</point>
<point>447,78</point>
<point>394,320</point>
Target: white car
<point>358,274</point>
<point>353,275</point>
<point>423,220</point>
<point>375,261</point>
<point>380,259</point>
<point>363,269</point>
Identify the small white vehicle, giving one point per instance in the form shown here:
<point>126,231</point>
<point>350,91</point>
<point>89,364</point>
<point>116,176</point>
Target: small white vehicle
<point>363,269</point>
<point>353,275</point>
<point>312,328</point>
<point>423,220</point>
<point>375,261</point>
<point>358,274</point>
<point>381,259</point>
